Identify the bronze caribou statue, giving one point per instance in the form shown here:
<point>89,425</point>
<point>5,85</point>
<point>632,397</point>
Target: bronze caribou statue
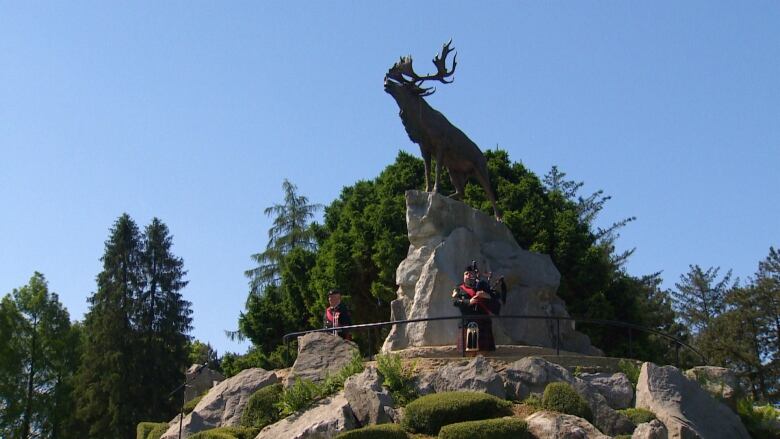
<point>437,137</point>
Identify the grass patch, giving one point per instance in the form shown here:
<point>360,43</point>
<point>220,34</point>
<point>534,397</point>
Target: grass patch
<point>381,431</point>
<point>500,428</point>
<point>227,433</point>
<point>638,415</point>
<point>189,406</point>
<point>398,378</point>
<point>561,397</point>
<point>144,428</point>
<point>631,370</point>
<point>303,393</point>
<point>261,408</point>
<point>431,412</point>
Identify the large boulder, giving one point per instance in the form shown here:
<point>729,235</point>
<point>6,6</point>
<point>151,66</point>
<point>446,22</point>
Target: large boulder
<point>654,429</point>
<point>615,387</point>
<point>532,374</point>
<point>476,376</point>
<point>370,402</point>
<point>199,379</point>
<point>553,425</point>
<point>224,404</point>
<point>323,421</point>
<point>445,235</point>
<point>683,406</point>
<point>321,354</point>
<point>719,382</point>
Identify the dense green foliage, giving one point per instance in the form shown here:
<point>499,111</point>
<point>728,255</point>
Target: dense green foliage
<point>501,428</point>
<point>631,369</point>
<point>397,378</point>
<point>713,307</point>
<point>762,422</point>
<point>145,430</point>
<point>381,431</point>
<point>202,353</point>
<point>431,412</point>
<point>38,354</point>
<point>135,349</point>
<point>227,433</point>
<point>638,415</point>
<point>261,409</point>
<point>561,397</point>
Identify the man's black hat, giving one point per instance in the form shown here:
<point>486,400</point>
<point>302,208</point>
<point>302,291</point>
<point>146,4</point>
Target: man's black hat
<point>332,292</point>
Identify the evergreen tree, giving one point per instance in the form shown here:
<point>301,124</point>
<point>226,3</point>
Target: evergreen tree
<point>700,296</point>
<point>37,363</point>
<point>110,399</point>
<point>203,353</point>
<point>290,230</point>
<point>163,319</point>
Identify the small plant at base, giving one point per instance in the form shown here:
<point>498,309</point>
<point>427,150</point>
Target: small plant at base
<point>577,371</point>
<point>260,410</point>
<point>561,397</point>
<point>638,415</point>
<point>631,370</point>
<point>300,395</point>
<point>398,379</point>
<point>534,401</point>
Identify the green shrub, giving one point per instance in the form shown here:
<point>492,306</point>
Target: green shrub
<point>260,410</point>
<point>431,412</point>
<point>398,379</point>
<point>302,393</point>
<point>638,415</point>
<point>631,370</point>
<point>623,436</point>
<point>381,431</point>
<point>534,401</point>
<point>189,406</point>
<point>227,433</point>
<point>501,428</point>
<point>158,431</point>
<point>561,397</point>
<point>760,421</point>
<point>143,429</point>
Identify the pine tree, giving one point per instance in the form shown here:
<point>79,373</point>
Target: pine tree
<point>700,296</point>
<point>35,388</point>
<point>163,319</point>
<point>290,230</point>
<point>107,386</point>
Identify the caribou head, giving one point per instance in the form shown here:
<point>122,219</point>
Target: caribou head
<point>401,78</point>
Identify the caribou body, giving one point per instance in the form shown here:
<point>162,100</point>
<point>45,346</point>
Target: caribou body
<point>438,138</point>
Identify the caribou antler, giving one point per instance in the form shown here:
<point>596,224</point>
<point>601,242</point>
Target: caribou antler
<point>403,69</point>
<point>440,61</point>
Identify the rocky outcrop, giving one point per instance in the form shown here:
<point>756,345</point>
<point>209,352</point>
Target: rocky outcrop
<point>323,421</point>
<point>199,380</point>
<point>224,404</point>
<point>554,425</point>
<point>685,409</point>
<point>321,354</point>
<point>445,235</point>
<point>719,382</point>
<point>614,387</point>
<point>654,429</point>
<point>532,374</point>
<point>370,402</point>
<point>476,376</point>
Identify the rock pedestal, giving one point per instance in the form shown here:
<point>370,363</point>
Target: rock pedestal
<point>445,235</point>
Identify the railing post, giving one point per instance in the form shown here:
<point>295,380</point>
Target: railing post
<point>370,348</point>
<point>630,347</point>
<point>558,337</point>
<point>286,351</point>
<point>677,353</point>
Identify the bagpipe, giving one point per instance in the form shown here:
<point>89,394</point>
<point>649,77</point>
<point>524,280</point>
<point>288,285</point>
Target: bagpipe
<point>495,288</point>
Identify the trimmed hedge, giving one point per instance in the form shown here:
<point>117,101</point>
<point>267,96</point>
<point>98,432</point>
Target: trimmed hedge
<point>638,415</point>
<point>561,397</point>
<point>500,428</point>
<point>381,431</point>
<point>144,428</point>
<point>227,433</point>
<point>260,410</point>
<point>158,431</point>
<point>431,412</point>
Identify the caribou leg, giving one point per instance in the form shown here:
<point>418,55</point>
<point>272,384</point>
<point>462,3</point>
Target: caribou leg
<point>437,172</point>
<point>458,180</point>
<point>427,160</point>
<point>484,181</point>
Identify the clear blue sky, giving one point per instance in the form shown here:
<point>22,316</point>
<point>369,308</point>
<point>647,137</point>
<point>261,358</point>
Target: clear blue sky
<point>195,112</point>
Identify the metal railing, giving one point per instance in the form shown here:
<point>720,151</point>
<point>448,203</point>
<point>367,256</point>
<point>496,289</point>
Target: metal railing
<point>613,323</point>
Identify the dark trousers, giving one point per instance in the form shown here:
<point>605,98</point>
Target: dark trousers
<point>485,341</point>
